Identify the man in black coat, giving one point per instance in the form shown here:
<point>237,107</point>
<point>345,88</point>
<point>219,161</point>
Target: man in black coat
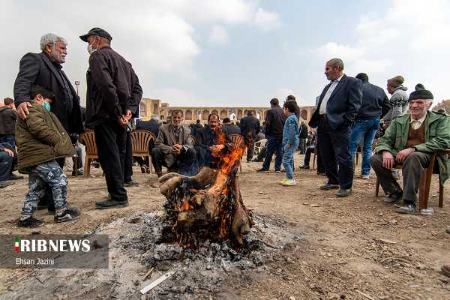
<point>336,110</point>
<point>274,124</point>
<point>45,69</point>
<point>250,127</point>
<point>205,138</point>
<point>112,89</point>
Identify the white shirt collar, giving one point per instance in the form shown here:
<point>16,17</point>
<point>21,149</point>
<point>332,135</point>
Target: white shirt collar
<point>419,120</point>
<point>339,79</point>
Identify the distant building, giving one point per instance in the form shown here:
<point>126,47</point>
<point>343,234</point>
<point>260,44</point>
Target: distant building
<point>149,107</point>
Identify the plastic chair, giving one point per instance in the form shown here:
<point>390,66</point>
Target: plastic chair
<point>87,138</point>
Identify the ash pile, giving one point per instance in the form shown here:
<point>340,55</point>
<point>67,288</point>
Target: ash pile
<point>204,270</point>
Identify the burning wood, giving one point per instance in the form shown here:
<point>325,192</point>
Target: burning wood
<point>208,205</point>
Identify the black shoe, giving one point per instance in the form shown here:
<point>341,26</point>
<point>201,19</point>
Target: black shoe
<point>393,198</point>
<point>407,209</point>
<point>143,170</point>
<point>344,192</point>
<point>130,183</point>
<point>4,184</point>
<point>30,223</point>
<point>110,204</point>
<point>262,170</point>
<point>78,172</point>
<point>329,186</point>
<point>321,173</point>
<point>14,177</point>
<point>305,167</point>
<point>69,214</point>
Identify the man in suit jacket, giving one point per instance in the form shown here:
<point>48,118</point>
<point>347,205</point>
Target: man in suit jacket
<point>174,148</point>
<point>336,110</point>
<point>45,69</point>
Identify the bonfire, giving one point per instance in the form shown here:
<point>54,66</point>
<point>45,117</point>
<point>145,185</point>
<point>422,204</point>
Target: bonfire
<point>209,205</point>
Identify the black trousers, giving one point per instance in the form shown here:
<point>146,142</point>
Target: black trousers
<point>128,169</point>
<point>335,153</point>
<point>111,138</point>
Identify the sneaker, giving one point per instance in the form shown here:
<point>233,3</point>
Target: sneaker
<point>262,170</point>
<point>289,182</point>
<point>366,177</point>
<point>305,167</point>
<point>407,209</point>
<point>67,215</point>
<point>277,171</point>
<point>30,223</point>
<point>282,181</point>
<point>110,204</point>
<point>393,197</point>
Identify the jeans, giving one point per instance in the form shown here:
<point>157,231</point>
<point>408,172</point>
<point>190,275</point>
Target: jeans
<point>274,145</point>
<point>364,130</point>
<point>288,160</point>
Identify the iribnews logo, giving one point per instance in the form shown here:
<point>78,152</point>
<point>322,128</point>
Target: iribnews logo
<point>57,245</point>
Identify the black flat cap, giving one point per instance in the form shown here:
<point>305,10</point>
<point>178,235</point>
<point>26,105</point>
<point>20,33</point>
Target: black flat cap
<point>96,31</point>
<point>420,94</point>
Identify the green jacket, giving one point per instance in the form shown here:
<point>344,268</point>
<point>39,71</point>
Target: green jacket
<point>437,137</point>
<point>40,138</point>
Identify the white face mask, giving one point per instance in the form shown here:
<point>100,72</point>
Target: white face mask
<point>90,49</point>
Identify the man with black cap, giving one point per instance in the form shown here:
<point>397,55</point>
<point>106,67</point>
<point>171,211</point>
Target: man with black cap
<point>411,140</point>
<point>112,90</point>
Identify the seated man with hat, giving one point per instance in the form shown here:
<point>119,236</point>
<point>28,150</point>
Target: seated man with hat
<point>411,140</point>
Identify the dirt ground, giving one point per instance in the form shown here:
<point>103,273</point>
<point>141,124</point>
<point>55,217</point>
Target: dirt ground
<point>353,248</point>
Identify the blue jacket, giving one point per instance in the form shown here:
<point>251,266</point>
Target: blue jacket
<point>343,105</point>
<point>290,131</point>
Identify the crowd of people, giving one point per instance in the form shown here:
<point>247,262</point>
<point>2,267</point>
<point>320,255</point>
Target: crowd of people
<point>41,127</point>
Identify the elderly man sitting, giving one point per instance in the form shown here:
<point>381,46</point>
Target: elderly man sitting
<point>174,148</point>
<point>411,140</point>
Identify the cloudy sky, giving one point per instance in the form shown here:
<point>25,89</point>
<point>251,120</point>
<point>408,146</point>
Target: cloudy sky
<point>238,52</point>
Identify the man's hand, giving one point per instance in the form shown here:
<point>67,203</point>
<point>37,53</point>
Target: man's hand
<point>22,110</point>
<point>176,149</point>
<point>402,155</point>
<point>388,160</point>
<point>9,152</point>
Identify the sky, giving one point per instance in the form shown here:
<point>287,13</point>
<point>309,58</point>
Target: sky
<point>240,52</point>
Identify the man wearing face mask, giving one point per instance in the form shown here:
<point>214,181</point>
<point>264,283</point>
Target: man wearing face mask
<point>45,69</point>
<point>112,91</point>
